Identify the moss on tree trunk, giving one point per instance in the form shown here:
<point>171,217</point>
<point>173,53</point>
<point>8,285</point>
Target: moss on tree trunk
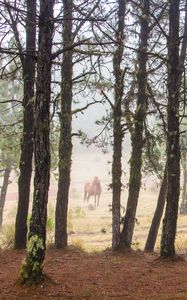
<point>32,268</point>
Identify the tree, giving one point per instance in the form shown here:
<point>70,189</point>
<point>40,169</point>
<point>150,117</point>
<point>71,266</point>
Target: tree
<point>77,16</point>
<point>32,269</point>
<point>137,136</point>
<point>173,148</point>
<point>119,74</point>
<point>28,66</point>
<point>65,143</point>
<point>153,231</point>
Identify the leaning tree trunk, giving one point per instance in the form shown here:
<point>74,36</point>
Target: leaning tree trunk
<point>137,136</point>
<point>27,138</point>
<point>153,231</point>
<point>4,191</point>
<point>32,269</point>
<point>173,148</point>
<point>65,142</point>
<point>117,126</point>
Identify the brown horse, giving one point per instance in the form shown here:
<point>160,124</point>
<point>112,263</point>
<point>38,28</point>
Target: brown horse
<point>93,189</point>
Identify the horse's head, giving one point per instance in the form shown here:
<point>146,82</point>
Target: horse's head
<point>96,181</point>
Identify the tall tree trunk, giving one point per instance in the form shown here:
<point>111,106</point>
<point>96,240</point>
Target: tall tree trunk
<point>173,149</point>
<point>183,208</point>
<point>65,143</point>
<point>4,191</point>
<point>27,138</point>
<point>153,231</point>
<point>137,136</point>
<point>117,127</point>
<point>32,269</point>
<point>150,243</point>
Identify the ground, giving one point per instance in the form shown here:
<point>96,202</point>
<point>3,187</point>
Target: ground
<point>95,273</point>
<point>74,274</point>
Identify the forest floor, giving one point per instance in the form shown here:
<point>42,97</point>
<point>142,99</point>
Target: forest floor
<point>75,274</point>
<point>86,270</point>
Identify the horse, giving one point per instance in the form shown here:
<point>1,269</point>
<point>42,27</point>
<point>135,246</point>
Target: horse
<point>93,189</point>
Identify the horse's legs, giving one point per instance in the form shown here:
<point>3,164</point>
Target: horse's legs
<point>88,197</point>
<point>95,200</point>
<point>85,194</point>
<point>98,200</point>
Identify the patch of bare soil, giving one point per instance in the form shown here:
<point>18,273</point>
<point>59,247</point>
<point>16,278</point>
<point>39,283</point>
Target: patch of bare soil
<point>76,275</point>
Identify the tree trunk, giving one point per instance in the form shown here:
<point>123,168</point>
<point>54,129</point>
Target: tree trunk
<point>32,269</point>
<point>183,207</point>
<point>153,231</point>
<point>27,138</point>
<point>173,148</point>
<point>162,196</point>
<point>117,127</point>
<point>137,136</point>
<point>4,191</point>
<point>65,143</point>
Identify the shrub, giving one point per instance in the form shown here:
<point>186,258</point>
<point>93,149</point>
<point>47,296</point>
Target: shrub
<point>7,236</point>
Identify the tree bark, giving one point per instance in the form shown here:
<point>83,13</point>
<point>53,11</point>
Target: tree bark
<point>4,191</point>
<point>117,126</point>
<point>32,269</point>
<point>65,143</point>
<point>162,196</point>
<point>153,231</point>
<point>137,135</point>
<point>27,138</point>
<point>173,148</point>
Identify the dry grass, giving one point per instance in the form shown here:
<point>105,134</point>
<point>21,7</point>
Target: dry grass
<point>90,229</point>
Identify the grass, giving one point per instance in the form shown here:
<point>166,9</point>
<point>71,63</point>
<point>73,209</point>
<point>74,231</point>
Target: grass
<point>7,236</point>
<point>91,229</point>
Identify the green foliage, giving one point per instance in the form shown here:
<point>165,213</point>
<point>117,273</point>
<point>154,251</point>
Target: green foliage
<point>10,123</point>
<point>50,218</point>
<point>79,212</point>
<point>76,213</point>
<point>154,153</point>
